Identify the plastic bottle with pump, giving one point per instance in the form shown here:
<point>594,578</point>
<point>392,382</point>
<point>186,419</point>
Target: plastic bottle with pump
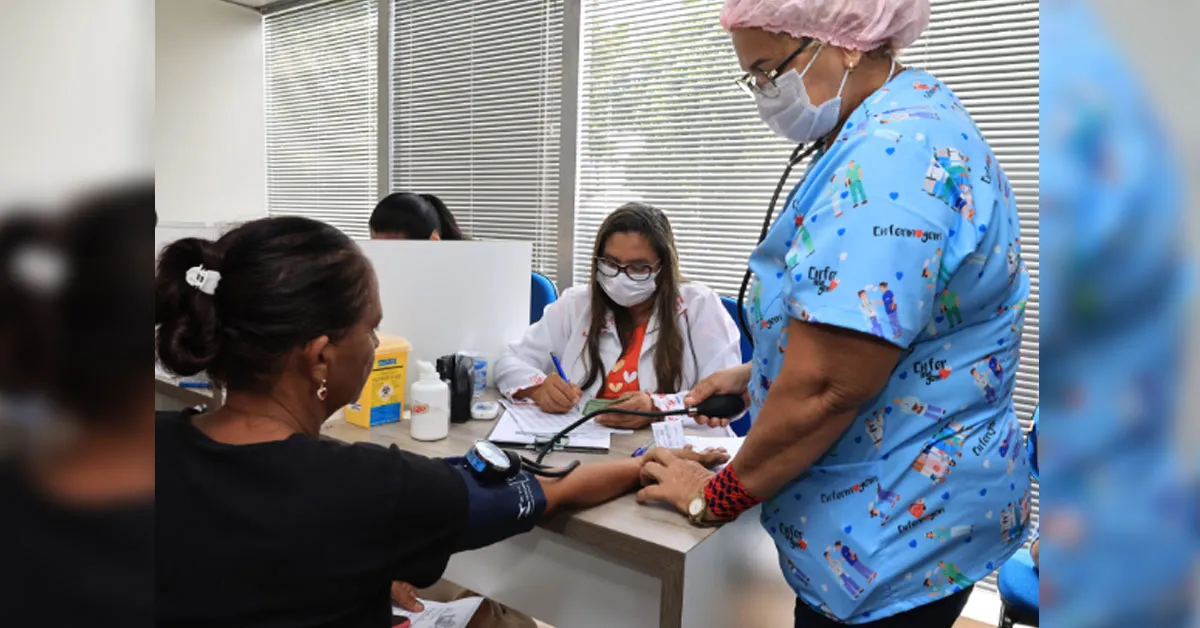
<point>430,414</point>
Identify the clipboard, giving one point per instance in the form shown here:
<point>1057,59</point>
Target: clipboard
<point>507,434</point>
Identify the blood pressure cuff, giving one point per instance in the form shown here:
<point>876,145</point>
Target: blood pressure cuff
<point>498,511</point>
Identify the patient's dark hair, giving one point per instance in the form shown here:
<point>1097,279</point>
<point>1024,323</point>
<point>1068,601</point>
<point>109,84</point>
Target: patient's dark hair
<point>74,324</point>
<point>414,216</point>
<point>284,281</point>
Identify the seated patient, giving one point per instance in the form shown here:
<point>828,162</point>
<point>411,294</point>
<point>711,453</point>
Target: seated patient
<point>408,216</point>
<point>635,333</point>
<point>259,522</point>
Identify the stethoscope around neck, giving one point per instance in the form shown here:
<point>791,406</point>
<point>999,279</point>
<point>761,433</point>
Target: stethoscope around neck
<point>799,154</point>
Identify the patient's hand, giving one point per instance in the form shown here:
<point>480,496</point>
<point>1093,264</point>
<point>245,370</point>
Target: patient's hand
<point>1034,549</point>
<point>404,595</point>
<point>709,457</point>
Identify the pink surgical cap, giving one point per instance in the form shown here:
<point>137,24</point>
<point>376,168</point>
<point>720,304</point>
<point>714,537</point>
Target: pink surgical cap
<point>857,24</point>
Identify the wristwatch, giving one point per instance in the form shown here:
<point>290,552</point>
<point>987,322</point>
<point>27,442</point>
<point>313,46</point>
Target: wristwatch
<point>698,510</point>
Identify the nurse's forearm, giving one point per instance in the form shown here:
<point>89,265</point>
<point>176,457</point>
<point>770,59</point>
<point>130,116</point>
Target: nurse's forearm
<point>827,374</point>
<point>790,433</point>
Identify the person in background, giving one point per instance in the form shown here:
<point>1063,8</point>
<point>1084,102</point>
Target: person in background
<point>259,521</point>
<point>408,216</point>
<point>823,73</point>
<point>635,333</point>
<point>77,410</point>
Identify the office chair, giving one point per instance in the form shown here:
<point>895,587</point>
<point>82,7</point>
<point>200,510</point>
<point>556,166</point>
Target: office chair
<point>741,426</point>
<point>542,292</point>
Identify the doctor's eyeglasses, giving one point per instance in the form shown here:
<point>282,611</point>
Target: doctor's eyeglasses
<point>636,272</point>
<point>757,81</point>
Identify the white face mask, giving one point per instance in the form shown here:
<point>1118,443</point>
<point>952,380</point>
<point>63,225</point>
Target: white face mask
<point>627,292</point>
<point>791,114</point>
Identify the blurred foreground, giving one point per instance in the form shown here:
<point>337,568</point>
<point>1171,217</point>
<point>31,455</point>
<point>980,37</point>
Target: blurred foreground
<point>1118,446</point>
<point>76,225</point>
<point>1120,157</point>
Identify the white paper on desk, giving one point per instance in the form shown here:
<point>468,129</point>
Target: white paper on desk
<point>454,614</point>
<point>533,421</point>
<point>732,444</point>
<point>509,430</point>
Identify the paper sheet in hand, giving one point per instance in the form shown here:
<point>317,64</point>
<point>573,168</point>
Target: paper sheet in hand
<point>732,444</point>
<point>454,614</point>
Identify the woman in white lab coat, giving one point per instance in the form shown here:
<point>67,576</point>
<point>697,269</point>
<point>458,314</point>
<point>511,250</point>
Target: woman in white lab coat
<point>635,333</point>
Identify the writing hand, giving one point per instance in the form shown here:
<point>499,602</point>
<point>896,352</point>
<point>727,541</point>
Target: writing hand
<point>555,395</point>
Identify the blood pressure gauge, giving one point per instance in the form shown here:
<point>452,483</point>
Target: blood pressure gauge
<point>491,463</point>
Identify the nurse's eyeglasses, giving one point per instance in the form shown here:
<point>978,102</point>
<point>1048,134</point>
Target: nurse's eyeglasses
<point>636,272</point>
<point>757,81</point>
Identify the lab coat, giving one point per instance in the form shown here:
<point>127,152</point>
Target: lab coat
<point>562,331</point>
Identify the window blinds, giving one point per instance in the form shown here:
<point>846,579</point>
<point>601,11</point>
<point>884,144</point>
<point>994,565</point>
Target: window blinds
<point>662,122</point>
<point>321,111</point>
<point>476,108</point>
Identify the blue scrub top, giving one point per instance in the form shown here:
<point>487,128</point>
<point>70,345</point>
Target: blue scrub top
<point>906,229</point>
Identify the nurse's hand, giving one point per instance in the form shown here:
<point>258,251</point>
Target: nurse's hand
<point>731,381</point>
<point>639,401</point>
<point>668,478</point>
<point>555,395</point>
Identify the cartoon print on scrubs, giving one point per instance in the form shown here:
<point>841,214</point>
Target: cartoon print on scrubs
<point>916,269</point>
<point>848,584</point>
<point>943,533</point>
<point>912,405</point>
<point>987,170</point>
<point>929,90</point>
<point>854,183</point>
<point>949,180</point>
<point>942,275</point>
<point>950,438</point>
<point>875,428</point>
<point>950,307</point>
<point>803,237</point>
<point>756,306</point>
<point>904,114</point>
<point>890,307</point>
<point>868,309</point>
<point>984,385</point>
<point>851,559</point>
<point>883,499</point>
<point>796,572</point>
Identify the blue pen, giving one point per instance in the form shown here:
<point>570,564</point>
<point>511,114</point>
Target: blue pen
<point>558,365</point>
<point>643,449</point>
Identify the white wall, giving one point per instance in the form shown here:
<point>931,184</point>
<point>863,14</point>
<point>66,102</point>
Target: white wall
<point>76,95</point>
<point>210,164</point>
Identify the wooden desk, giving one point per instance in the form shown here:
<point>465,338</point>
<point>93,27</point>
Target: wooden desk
<point>620,564</point>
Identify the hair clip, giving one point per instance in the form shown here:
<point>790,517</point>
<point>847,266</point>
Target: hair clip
<point>203,280</point>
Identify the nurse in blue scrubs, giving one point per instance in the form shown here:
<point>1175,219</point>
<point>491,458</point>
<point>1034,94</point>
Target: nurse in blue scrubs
<point>881,445</point>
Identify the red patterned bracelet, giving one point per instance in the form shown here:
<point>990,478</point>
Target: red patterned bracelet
<point>726,497</point>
